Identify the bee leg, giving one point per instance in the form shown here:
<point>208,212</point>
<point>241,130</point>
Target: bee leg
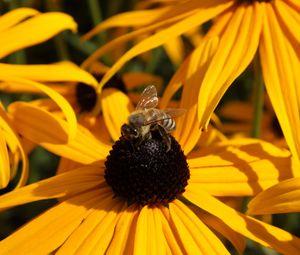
<point>165,136</point>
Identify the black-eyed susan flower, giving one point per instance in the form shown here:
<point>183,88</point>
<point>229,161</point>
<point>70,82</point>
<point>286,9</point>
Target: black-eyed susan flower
<point>242,27</point>
<point>124,194</point>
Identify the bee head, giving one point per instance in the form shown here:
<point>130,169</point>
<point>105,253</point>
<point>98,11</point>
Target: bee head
<point>136,120</point>
<point>129,132</point>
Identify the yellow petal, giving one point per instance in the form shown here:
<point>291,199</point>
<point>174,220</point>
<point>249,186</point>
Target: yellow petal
<point>30,32</point>
<point>97,226</point>
<point>14,143</point>
<point>121,242</point>
<point>15,16</point>
<point>84,148</point>
<point>172,239</point>
<point>4,162</point>
<point>236,49</point>
<point>281,198</point>
<point>25,117</point>
<point>97,126</point>
<point>256,230</point>
<point>60,101</point>
<point>62,71</point>
<point>116,108</point>
<point>66,184</point>
<point>289,16</point>
<point>187,130</point>
<point>240,167</point>
<point>127,19</point>
<point>280,64</point>
<point>195,236</point>
<point>238,241</point>
<point>204,13</point>
<point>149,224</point>
<point>104,231</point>
<point>50,230</point>
<point>142,233</point>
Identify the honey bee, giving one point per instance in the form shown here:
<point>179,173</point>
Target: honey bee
<point>146,118</point>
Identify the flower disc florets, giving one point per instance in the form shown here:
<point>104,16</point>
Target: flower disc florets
<point>86,97</point>
<point>147,173</point>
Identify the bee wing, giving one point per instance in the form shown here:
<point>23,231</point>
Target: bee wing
<point>174,112</point>
<point>156,115</point>
<point>148,99</point>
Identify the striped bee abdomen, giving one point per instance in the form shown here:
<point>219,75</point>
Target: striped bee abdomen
<point>167,122</point>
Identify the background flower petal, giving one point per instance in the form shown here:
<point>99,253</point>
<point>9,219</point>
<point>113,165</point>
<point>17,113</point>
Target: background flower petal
<point>61,71</point>
<point>281,198</point>
<point>30,32</point>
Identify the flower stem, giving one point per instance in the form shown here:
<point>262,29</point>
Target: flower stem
<point>258,98</point>
<point>60,45</point>
<point>96,14</point>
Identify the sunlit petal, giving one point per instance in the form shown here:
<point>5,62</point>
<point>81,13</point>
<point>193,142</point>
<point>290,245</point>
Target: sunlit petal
<point>236,49</point>
<point>281,198</point>
<point>256,230</point>
<point>31,32</point>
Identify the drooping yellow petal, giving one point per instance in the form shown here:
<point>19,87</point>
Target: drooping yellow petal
<point>116,108</point>
<point>195,236</point>
<point>50,230</point>
<point>30,32</point>
<point>256,230</point>
<point>280,60</point>
<point>240,167</point>
<point>83,148</point>
<point>15,16</point>
<point>281,198</point>
<point>187,131</point>
<point>208,10</point>
<point>237,47</point>
<point>60,101</point>
<point>66,184</point>
<point>62,71</point>
<point>4,162</point>
<point>127,19</point>
<point>25,117</point>
<point>16,147</point>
